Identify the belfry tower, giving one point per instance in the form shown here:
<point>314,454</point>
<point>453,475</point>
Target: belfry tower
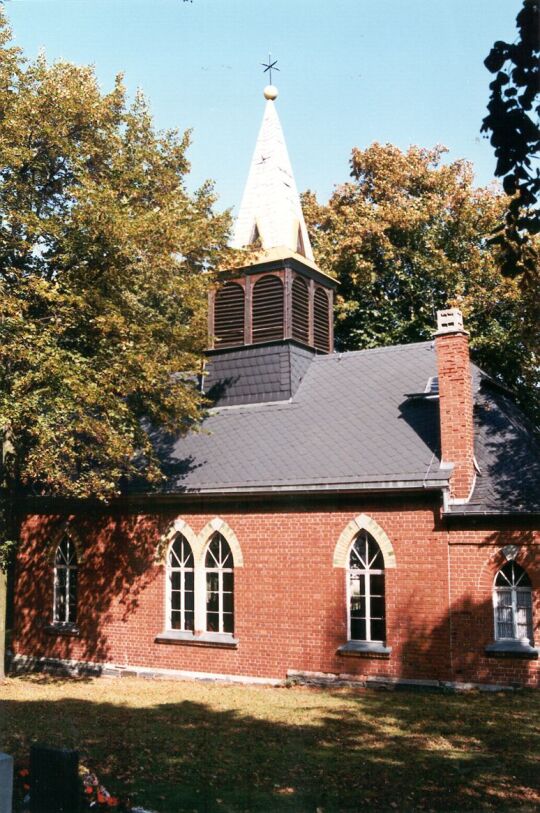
<point>275,313</point>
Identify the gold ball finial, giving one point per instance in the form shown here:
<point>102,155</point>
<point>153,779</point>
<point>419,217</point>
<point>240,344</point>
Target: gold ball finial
<point>271,92</point>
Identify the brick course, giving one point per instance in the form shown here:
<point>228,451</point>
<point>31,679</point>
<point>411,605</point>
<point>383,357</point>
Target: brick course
<point>456,410</point>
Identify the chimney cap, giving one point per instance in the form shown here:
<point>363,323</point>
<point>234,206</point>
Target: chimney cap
<point>450,320</point>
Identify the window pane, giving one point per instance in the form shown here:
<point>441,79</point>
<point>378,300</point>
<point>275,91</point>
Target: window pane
<point>504,614</point>
<point>228,623</point>
<point>358,585</point>
<point>213,553</point>
<point>60,594</point>
<point>377,561</point>
<point>72,609</point>
<point>359,552</point>
<point>212,602</point>
<point>212,622</point>
<point>228,602</point>
<point>189,580</point>
<point>175,620</point>
<point>524,614</point>
<point>501,579</point>
<point>190,621</point>
<point>377,585</point>
<point>189,600</point>
<point>188,555</point>
<point>175,600</point>
<point>358,629</point>
<point>175,580</point>
<point>212,582</point>
<point>228,582</point>
<point>377,607</point>
<point>358,606</point>
<point>377,630</point>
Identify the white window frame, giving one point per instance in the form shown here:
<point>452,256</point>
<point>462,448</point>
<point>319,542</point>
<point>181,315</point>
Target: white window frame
<point>220,570</point>
<point>169,591</point>
<point>513,589</point>
<point>70,565</point>
<point>367,573</point>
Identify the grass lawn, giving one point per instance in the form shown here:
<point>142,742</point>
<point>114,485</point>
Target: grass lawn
<point>191,746</point>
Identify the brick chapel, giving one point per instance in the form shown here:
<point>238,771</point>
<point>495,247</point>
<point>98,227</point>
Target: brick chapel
<point>369,516</point>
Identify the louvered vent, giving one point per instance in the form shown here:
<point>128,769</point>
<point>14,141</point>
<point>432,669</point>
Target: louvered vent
<point>300,310</point>
<point>267,309</point>
<point>229,315</point>
<point>321,321</point>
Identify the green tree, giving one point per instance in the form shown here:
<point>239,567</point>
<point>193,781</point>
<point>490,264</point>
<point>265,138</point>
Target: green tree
<point>105,261</point>
<point>409,235</point>
<point>512,120</point>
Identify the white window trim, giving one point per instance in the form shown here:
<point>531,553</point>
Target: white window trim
<point>513,590</point>
<point>168,587</point>
<point>220,571</point>
<point>367,581</point>
<point>199,544</point>
<point>69,568</point>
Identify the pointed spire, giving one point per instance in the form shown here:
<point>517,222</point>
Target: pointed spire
<point>270,214</point>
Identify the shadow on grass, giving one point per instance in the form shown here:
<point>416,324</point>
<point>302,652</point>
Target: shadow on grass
<point>339,751</point>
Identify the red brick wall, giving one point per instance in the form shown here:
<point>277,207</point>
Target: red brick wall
<point>456,410</point>
<point>290,608</point>
<point>475,558</point>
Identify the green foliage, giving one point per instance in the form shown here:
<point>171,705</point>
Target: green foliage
<point>104,266</point>
<point>512,121</point>
<point>408,236</point>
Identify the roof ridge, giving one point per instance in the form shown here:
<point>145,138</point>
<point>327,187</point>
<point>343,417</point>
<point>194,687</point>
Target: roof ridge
<point>384,349</point>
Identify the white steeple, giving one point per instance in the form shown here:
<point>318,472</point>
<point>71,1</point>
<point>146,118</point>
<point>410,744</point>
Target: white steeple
<point>270,216</point>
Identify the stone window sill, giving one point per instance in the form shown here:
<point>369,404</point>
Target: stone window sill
<point>211,639</point>
<point>364,649</point>
<point>511,649</point>
<point>62,629</point>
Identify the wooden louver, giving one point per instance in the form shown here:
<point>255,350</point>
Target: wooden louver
<point>267,309</point>
<point>321,321</point>
<point>229,315</point>
<point>300,310</point>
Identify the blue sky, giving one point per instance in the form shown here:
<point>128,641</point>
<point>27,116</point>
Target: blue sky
<point>352,72</point>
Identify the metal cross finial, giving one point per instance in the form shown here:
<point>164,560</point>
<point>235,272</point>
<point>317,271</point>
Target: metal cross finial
<point>270,66</point>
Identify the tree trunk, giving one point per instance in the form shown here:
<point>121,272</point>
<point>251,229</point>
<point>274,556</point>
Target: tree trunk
<point>3,630</point>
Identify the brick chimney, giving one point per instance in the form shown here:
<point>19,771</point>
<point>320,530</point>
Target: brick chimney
<point>455,402</point>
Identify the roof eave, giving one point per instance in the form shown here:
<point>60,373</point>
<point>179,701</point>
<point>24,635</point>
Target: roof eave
<point>314,488</point>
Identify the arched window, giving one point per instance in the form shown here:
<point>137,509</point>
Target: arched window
<point>181,604</point>
<point>366,590</point>
<point>219,567</point>
<point>267,307</point>
<point>512,604</point>
<point>300,310</point>
<point>229,315</point>
<point>321,320</point>
<point>65,583</point>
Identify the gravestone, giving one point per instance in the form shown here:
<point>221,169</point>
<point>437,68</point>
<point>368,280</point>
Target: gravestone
<point>6,783</point>
<point>54,780</point>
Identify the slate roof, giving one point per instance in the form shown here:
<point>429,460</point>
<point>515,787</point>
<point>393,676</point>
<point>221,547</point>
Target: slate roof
<point>350,425</point>
<point>508,454</point>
